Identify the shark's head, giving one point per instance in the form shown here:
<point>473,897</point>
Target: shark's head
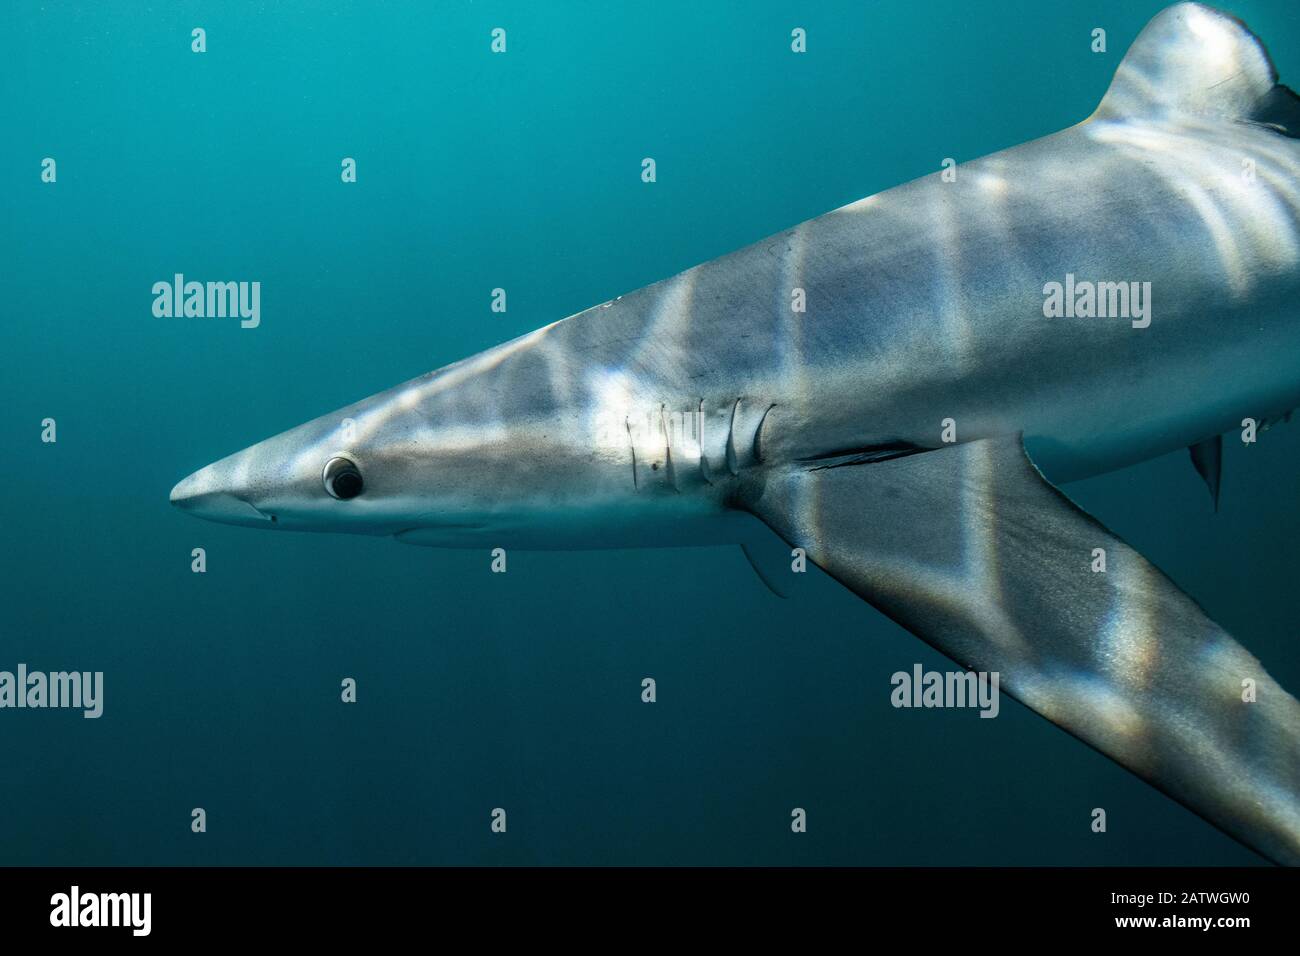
<point>402,459</point>
<point>478,452</point>
<point>342,472</point>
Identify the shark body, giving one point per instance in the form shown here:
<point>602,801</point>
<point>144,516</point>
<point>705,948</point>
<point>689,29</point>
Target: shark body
<point>861,384</point>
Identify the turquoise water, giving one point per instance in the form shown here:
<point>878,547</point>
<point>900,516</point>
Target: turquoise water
<point>521,690</point>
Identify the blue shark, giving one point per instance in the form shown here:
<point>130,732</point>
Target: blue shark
<point>865,385</point>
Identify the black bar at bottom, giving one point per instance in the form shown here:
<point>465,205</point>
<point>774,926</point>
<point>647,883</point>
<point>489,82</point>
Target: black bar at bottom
<point>362,904</point>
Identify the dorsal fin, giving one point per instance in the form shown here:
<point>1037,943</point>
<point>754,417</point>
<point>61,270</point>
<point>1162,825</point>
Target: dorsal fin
<point>1191,59</point>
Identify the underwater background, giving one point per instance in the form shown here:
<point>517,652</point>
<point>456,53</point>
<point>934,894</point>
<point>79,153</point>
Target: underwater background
<point>519,690</point>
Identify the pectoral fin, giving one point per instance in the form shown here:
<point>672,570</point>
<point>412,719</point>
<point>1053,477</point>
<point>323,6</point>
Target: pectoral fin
<point>970,548</point>
<point>771,559</point>
<point>769,572</point>
<point>1207,459</point>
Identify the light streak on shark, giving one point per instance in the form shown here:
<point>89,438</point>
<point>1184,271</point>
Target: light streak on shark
<point>676,414</point>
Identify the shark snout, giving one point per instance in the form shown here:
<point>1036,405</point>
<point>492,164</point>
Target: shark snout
<point>205,494</point>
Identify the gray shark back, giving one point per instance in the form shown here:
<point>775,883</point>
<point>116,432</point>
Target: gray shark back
<point>926,302</point>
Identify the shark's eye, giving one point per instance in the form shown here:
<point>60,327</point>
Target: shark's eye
<point>342,479</point>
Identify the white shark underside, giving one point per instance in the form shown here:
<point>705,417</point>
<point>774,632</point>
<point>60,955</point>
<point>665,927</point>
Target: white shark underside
<point>673,414</point>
